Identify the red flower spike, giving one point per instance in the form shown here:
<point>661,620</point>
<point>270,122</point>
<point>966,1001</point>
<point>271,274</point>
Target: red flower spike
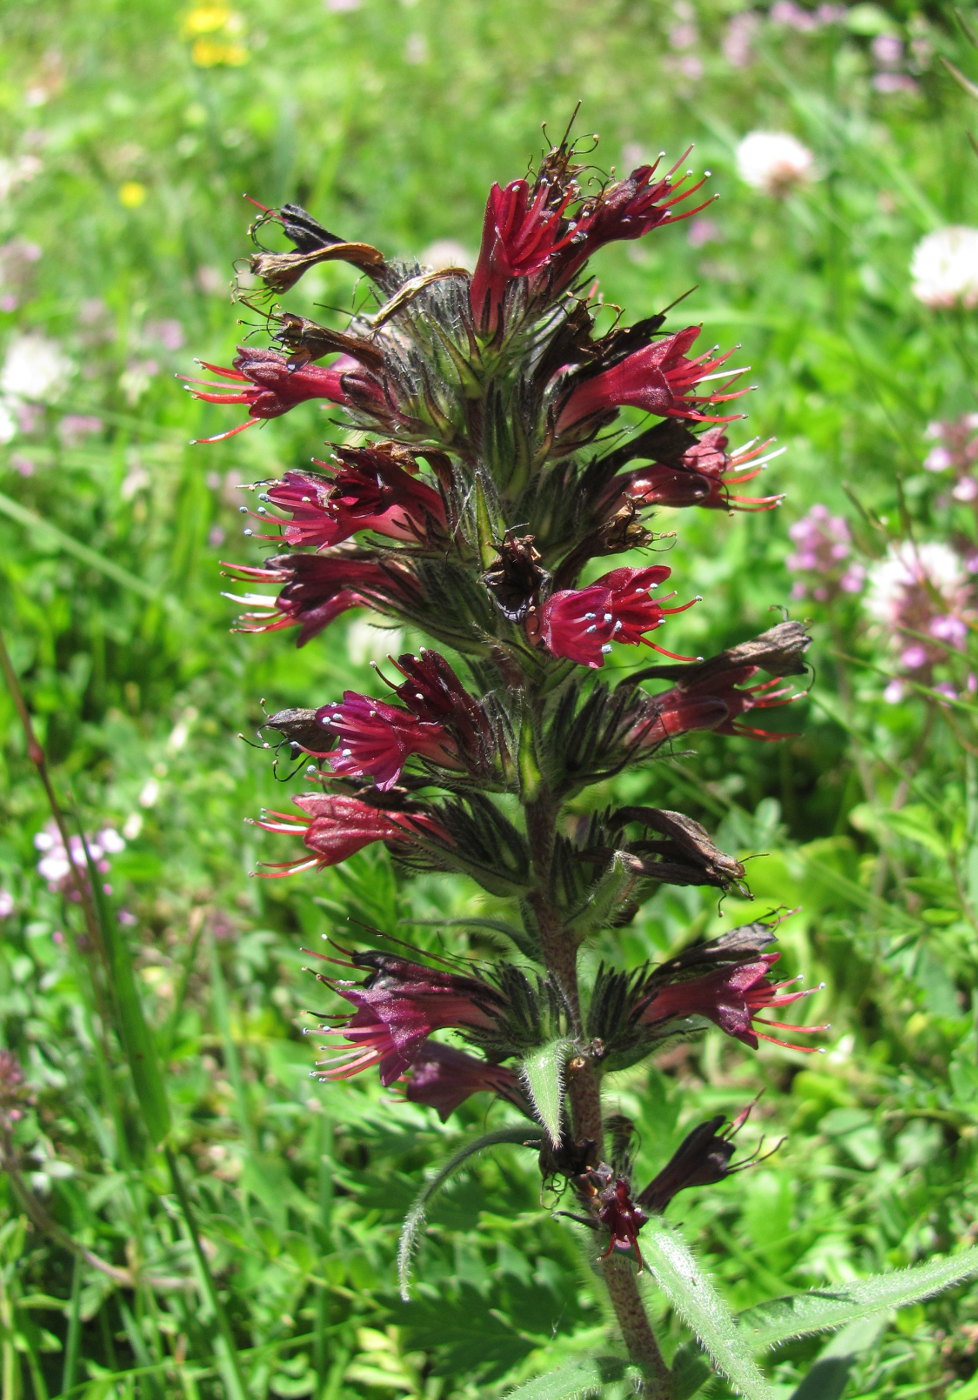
<point>580,624</point>
<point>703,477</point>
<point>334,827</point>
<point>521,233</point>
<point>433,691</point>
<point>714,703</point>
<point>316,588</point>
<point>634,206</point>
<point>364,489</point>
<point>731,998</point>
<point>534,235</point>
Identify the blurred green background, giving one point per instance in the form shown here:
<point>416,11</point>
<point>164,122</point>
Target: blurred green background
<point>130,135</point>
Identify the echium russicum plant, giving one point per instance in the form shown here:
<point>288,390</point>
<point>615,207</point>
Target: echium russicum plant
<point>479,491</point>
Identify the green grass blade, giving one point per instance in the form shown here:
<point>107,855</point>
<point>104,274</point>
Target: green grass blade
<point>83,552</point>
<point>137,1040</point>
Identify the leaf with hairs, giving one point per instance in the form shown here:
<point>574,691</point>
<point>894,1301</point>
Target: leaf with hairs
<point>415,1218</point>
<point>826,1309</point>
<point>542,1073</point>
<point>693,1296</point>
<point>579,1379</point>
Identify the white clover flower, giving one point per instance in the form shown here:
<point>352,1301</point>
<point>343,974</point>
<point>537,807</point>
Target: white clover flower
<point>446,252</point>
<point>34,368</point>
<point>774,161</point>
<point>912,568</point>
<point>944,267</point>
<point>17,170</point>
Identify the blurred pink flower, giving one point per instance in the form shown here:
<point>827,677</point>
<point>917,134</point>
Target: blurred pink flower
<point>823,549</point>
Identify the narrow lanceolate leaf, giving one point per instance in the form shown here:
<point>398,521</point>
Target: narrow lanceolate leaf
<point>415,1218</point>
<point>542,1072</point>
<point>693,1296</point>
<point>826,1309</point>
<point>578,1380</point>
<point>829,1376</point>
<point>135,1034</point>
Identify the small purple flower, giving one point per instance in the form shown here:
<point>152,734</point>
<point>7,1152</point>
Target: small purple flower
<point>957,451</point>
<point>922,599</point>
<point>823,549</point>
<point>62,868</point>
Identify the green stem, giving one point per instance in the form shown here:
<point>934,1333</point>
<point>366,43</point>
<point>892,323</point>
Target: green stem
<point>224,1341</point>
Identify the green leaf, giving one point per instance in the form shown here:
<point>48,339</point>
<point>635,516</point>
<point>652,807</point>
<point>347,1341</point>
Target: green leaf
<point>829,1376</point>
<point>542,1072</point>
<point>153,592</point>
<point>415,1218</point>
<point>693,1296</point>
<point>586,1376</point>
<point>822,1311</point>
<point>137,1041</point>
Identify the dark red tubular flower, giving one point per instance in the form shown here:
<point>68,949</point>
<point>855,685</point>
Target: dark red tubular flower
<point>376,739</point>
<point>443,1077</point>
<point>702,477</point>
<point>701,1159</point>
<point>377,488</point>
<point>433,691</point>
<point>622,1217</point>
<point>714,702</point>
<point>315,588</point>
<point>534,235</point>
<point>521,232</point>
<point>334,827</point>
<point>365,489</point>
<point>657,378</point>
<point>397,1009</point>
<point>632,207</point>
<point>581,623</point>
<point>730,997</point>
<point>272,388</point>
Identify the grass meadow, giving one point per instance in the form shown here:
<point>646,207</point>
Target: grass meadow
<point>255,1256</point>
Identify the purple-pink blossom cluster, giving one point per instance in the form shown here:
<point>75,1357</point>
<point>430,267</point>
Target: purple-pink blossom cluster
<point>822,563</point>
<point>62,867</point>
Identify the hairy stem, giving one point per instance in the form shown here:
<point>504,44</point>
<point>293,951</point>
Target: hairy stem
<point>584,1092</point>
<point>643,1349</point>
